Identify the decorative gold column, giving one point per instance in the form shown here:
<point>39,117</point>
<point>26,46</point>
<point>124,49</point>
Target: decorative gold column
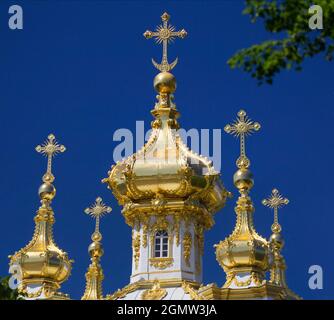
<point>43,265</point>
<point>94,275</point>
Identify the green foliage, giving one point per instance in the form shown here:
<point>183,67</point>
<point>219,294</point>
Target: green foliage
<point>7,293</point>
<point>289,19</point>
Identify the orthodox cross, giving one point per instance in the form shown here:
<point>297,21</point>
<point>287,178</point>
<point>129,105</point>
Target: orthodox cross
<point>241,128</point>
<point>50,148</point>
<point>97,210</point>
<point>275,201</point>
<point>165,34</point>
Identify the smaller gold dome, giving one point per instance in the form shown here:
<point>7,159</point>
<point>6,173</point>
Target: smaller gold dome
<point>47,191</point>
<point>244,249</point>
<point>243,179</point>
<point>50,264</point>
<point>165,82</point>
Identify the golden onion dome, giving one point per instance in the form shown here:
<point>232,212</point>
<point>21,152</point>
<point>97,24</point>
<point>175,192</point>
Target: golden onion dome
<point>46,263</point>
<point>41,261</point>
<point>244,251</point>
<point>244,248</point>
<point>165,167</point>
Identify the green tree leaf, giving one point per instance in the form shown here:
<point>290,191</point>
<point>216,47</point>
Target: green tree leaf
<point>289,21</point>
<point>7,293</point>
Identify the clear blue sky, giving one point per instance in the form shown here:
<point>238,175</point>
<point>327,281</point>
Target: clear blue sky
<point>81,69</point>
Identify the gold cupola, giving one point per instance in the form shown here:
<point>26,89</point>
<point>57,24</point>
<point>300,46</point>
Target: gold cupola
<point>165,169</point>
<point>94,275</point>
<point>42,265</point>
<point>244,254</point>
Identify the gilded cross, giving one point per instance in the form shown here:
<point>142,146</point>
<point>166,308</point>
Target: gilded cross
<point>50,148</point>
<point>165,34</point>
<point>241,128</point>
<point>275,201</point>
<point>97,210</point>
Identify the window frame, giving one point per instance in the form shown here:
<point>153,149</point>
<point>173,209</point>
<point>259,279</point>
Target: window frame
<point>161,245</point>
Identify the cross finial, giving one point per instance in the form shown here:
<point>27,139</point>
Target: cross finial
<point>97,210</point>
<point>242,127</point>
<point>165,34</point>
<point>275,201</point>
<point>50,148</point>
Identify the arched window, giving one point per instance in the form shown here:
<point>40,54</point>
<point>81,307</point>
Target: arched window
<point>161,244</point>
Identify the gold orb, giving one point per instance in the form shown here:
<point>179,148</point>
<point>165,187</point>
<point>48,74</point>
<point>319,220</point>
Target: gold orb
<point>95,250</point>
<point>277,240</point>
<point>243,179</point>
<point>47,191</point>
<point>165,82</point>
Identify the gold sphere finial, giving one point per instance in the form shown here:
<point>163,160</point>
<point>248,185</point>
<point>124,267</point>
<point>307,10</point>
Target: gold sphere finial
<point>277,240</point>
<point>96,250</point>
<point>243,179</point>
<point>165,82</point>
<point>47,191</point>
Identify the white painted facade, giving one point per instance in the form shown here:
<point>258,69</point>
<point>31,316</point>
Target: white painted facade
<point>177,271</point>
<point>179,268</point>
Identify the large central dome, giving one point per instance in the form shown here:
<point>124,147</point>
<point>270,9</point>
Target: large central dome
<point>165,169</point>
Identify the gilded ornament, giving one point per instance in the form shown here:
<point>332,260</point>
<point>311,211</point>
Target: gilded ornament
<point>136,248</point>
<point>161,263</point>
<point>121,293</point>
<point>177,229</point>
<point>155,293</point>
<point>189,289</point>
<point>187,243</point>
<point>145,235</point>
